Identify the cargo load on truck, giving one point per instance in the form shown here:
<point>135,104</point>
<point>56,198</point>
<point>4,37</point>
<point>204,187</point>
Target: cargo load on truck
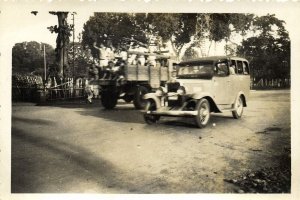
<point>128,75</point>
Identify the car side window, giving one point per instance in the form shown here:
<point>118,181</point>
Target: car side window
<point>232,67</point>
<point>245,67</point>
<point>239,67</point>
<point>222,69</point>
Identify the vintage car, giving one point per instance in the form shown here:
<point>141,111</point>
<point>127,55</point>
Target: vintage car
<point>204,85</point>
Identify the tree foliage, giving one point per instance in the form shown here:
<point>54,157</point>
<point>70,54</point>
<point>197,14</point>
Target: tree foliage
<point>179,28</point>
<point>82,60</point>
<point>268,47</point>
<point>28,57</point>
<point>269,51</point>
<point>116,27</point>
<point>190,53</point>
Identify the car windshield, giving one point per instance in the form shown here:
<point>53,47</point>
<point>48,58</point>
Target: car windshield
<point>203,69</point>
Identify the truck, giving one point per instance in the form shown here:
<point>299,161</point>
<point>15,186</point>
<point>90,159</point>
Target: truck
<point>134,79</point>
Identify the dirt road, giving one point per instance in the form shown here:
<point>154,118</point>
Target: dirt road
<point>84,148</point>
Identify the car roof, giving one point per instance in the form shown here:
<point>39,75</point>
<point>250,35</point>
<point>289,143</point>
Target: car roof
<point>213,58</point>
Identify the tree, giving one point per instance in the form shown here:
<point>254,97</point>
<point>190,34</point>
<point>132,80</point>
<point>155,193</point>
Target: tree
<point>183,30</point>
<point>27,57</point>
<point>216,27</point>
<point>82,60</point>
<point>193,29</point>
<point>190,53</point>
<point>141,27</point>
<point>269,50</point>
<point>64,32</point>
<point>118,28</point>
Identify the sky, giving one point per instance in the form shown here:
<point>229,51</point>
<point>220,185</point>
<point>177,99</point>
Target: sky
<point>25,26</point>
<point>34,27</point>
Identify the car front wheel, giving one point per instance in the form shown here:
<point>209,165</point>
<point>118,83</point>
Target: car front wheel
<point>203,115</point>
<point>150,119</point>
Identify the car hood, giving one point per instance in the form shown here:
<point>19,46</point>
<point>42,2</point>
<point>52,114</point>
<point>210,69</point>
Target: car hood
<point>193,86</point>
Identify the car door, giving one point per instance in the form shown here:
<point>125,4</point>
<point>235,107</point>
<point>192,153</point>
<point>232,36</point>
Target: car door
<point>221,83</point>
<point>242,80</point>
<point>234,81</point>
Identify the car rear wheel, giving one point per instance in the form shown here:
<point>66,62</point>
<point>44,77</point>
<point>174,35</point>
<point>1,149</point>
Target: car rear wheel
<point>239,108</point>
<point>203,115</point>
<point>150,119</point>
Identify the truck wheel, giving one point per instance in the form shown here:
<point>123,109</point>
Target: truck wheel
<point>109,99</point>
<point>150,119</point>
<point>203,115</point>
<point>128,98</point>
<point>138,101</point>
<point>239,107</point>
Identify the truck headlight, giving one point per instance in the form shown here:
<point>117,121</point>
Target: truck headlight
<point>181,90</point>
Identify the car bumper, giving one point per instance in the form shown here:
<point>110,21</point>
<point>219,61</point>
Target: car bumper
<point>178,113</point>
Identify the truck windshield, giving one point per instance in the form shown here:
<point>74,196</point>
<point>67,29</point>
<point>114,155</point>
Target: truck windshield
<point>202,70</point>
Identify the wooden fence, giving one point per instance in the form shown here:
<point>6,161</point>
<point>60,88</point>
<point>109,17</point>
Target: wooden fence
<point>265,83</point>
<point>64,91</point>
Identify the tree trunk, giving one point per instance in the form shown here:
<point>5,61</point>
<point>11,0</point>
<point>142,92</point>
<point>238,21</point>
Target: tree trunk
<point>177,52</point>
<point>209,47</point>
<point>62,42</point>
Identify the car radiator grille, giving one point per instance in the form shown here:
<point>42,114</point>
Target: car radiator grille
<point>173,87</point>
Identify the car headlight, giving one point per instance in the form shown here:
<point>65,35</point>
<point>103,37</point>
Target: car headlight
<point>181,90</point>
<point>161,91</point>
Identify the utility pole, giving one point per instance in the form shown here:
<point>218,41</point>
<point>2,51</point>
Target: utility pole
<point>45,64</point>
<point>73,19</point>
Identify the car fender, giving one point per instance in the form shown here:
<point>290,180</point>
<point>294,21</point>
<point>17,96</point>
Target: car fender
<point>154,97</point>
<point>209,97</point>
<point>201,95</point>
<point>241,93</point>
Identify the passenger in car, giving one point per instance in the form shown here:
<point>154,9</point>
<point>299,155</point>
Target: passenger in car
<point>232,70</point>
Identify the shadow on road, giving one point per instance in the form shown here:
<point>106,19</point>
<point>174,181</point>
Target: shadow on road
<point>76,162</point>
<point>32,121</point>
<point>101,169</point>
<point>189,122</point>
<point>125,114</point>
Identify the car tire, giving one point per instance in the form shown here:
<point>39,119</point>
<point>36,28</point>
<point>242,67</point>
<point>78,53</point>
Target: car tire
<point>239,108</point>
<point>150,119</point>
<point>203,116</point>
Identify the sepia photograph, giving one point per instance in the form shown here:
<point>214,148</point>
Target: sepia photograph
<point>148,102</point>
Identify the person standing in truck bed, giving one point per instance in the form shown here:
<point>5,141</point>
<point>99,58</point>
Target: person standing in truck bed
<point>103,55</point>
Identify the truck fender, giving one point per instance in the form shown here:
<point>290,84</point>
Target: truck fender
<point>155,98</point>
